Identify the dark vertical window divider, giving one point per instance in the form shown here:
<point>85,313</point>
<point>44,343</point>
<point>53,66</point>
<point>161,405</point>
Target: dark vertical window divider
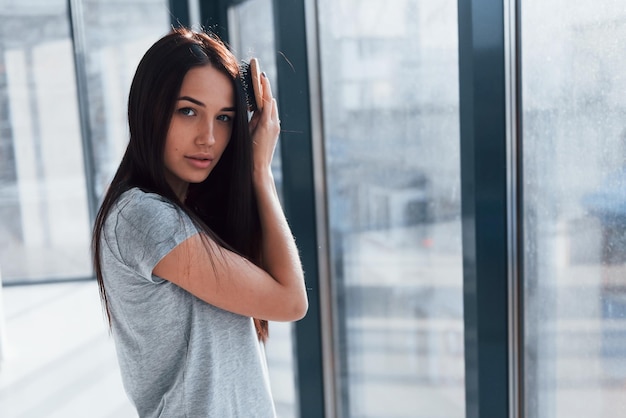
<point>214,16</point>
<point>179,13</point>
<point>299,192</point>
<point>482,52</point>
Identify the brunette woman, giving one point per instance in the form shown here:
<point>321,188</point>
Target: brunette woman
<point>192,252</point>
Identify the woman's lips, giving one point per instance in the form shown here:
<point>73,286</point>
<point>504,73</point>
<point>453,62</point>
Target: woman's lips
<point>199,161</point>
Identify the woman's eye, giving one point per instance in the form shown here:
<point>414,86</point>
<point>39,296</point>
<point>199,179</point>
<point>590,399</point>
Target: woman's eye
<point>187,111</point>
<point>224,118</point>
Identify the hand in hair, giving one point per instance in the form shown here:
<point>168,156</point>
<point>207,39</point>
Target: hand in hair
<point>264,130</point>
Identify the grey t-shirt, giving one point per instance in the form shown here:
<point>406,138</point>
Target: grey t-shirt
<point>179,356</point>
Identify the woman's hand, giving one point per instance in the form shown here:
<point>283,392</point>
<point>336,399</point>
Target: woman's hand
<point>264,130</point>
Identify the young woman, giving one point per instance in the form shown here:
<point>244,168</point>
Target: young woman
<point>190,243</point>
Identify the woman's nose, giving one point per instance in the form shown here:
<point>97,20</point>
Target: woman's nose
<point>205,135</point>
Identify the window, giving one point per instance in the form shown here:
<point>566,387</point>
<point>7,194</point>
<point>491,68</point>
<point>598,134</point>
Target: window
<point>390,106</point>
<point>44,219</point>
<point>574,208</point>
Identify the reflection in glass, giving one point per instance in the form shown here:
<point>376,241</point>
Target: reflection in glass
<point>574,208</point>
<point>44,221</point>
<point>390,108</point>
<point>251,35</point>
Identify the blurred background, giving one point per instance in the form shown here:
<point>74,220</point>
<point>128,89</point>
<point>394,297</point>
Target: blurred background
<point>370,173</point>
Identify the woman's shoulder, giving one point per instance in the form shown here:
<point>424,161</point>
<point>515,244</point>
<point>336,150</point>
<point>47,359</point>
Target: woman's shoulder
<point>136,199</point>
<point>138,206</point>
<point>139,196</point>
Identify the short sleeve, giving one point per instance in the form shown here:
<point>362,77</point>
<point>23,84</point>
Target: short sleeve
<point>143,228</point>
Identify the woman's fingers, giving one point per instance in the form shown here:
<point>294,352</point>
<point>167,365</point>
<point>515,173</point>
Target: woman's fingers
<point>267,89</point>
<point>268,116</point>
<point>265,127</point>
<point>275,111</point>
<point>268,97</point>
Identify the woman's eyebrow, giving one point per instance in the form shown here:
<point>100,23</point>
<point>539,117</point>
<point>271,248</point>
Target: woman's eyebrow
<point>199,103</point>
<point>192,100</point>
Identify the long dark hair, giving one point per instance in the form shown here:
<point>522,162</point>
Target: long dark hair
<point>230,215</point>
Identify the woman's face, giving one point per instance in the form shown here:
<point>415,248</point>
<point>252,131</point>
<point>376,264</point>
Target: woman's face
<point>200,128</point>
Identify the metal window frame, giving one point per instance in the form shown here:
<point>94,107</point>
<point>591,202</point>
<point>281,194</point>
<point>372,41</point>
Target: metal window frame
<point>77,35</point>
<point>180,13</point>
<point>331,357</point>
<point>515,201</point>
<point>491,188</point>
<point>299,187</point>
<point>214,16</point>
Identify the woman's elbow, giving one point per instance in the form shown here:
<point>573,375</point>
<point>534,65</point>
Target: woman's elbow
<point>297,309</point>
<point>301,309</point>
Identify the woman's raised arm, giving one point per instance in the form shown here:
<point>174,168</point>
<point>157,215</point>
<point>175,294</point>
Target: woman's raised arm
<point>224,279</point>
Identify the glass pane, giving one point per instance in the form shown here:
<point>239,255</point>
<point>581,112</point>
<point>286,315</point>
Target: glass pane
<point>390,107</point>
<point>574,207</point>
<point>251,35</point>
<point>44,220</point>
<point>117,34</point>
